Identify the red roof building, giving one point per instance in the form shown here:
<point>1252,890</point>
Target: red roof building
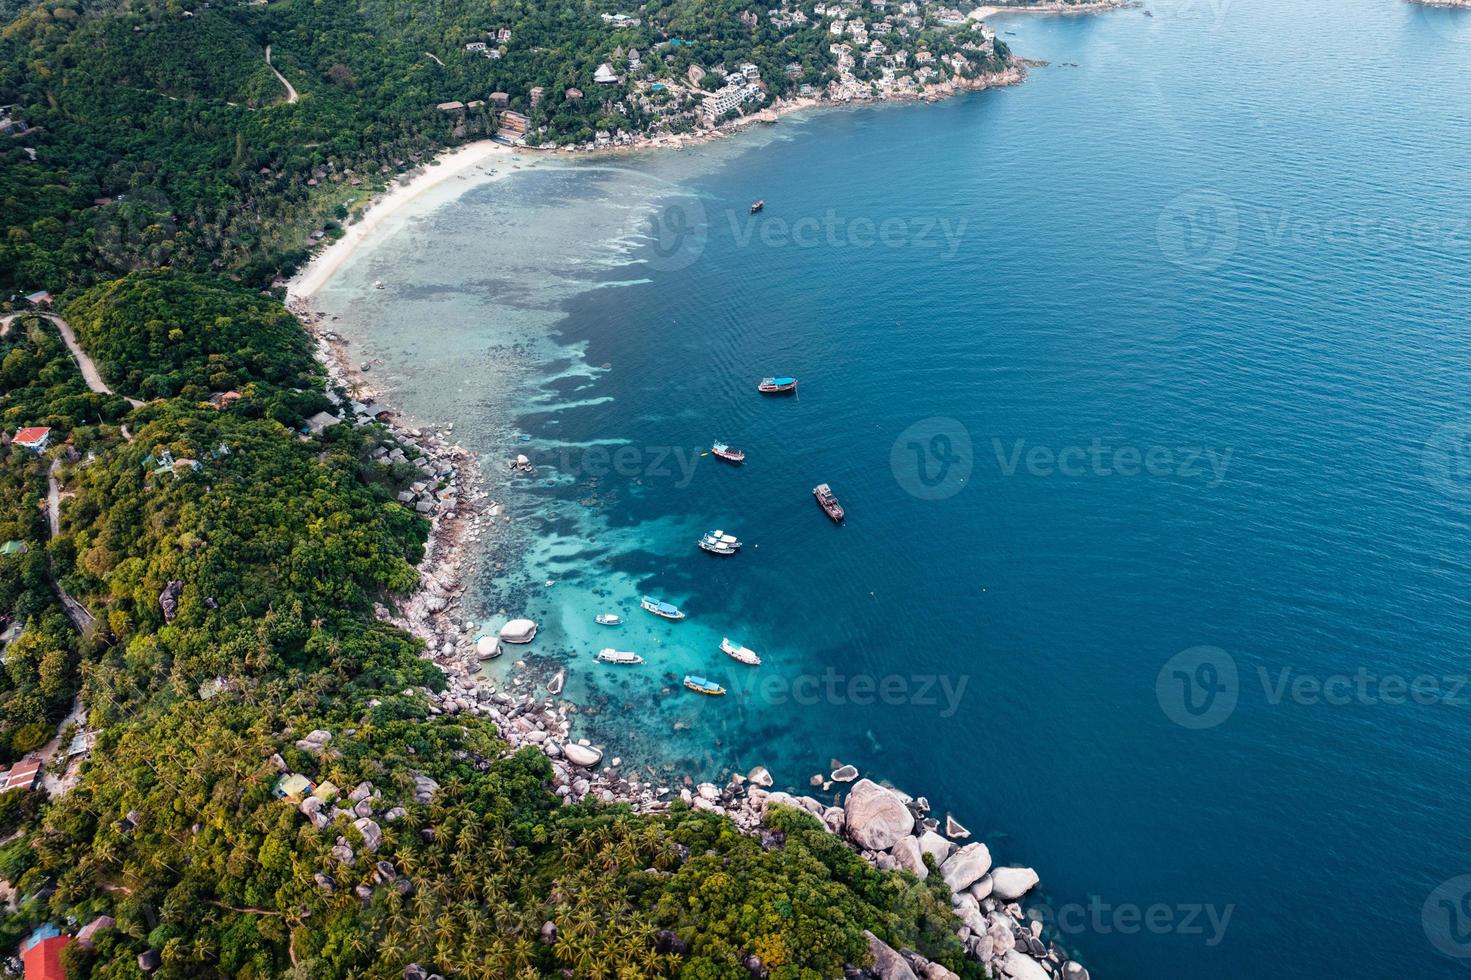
<point>21,776</point>
<point>42,956</point>
<point>33,437</point>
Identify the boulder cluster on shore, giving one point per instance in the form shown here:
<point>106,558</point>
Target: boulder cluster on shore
<point>889,828</point>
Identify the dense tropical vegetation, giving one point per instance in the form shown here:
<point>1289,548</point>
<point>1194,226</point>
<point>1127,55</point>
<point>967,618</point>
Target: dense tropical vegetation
<point>155,181</point>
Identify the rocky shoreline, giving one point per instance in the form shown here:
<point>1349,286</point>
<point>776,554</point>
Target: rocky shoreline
<point>891,829</point>
<point>1013,75</point>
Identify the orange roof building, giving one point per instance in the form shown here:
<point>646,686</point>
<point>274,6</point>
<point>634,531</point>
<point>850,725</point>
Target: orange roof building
<point>41,954</point>
<point>33,437</point>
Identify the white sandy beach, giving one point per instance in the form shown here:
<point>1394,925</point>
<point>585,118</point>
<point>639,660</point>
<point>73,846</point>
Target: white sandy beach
<point>324,264</point>
<point>1094,7</point>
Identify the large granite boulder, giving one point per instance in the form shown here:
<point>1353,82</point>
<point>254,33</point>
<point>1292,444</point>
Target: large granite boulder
<point>966,866</point>
<point>934,971</point>
<point>935,846</point>
<point>168,601</point>
<point>887,964</point>
<point>424,788</point>
<point>581,755</point>
<point>876,817</point>
<point>1019,966</point>
<point>1010,884</point>
<point>909,856</point>
<point>372,833</point>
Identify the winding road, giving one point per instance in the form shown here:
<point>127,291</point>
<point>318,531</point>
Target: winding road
<point>291,97</point>
<point>75,611</point>
<point>58,784</point>
<point>90,374</point>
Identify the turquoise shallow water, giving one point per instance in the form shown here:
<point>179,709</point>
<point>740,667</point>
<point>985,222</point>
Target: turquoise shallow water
<point>1164,350</point>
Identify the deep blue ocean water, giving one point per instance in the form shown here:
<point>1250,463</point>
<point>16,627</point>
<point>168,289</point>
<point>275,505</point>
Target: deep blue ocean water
<point>1145,385</point>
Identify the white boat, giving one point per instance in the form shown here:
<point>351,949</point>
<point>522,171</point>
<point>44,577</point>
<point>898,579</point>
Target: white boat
<point>658,608</point>
<point>744,654</point>
<point>608,619</point>
<point>719,543</point>
<point>610,656</point>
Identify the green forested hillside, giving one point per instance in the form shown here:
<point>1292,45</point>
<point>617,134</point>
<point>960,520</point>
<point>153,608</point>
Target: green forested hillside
<point>154,178</point>
<point>157,334</point>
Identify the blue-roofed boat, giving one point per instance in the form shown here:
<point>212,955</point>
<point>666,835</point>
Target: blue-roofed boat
<point>777,386</point>
<point>744,654</point>
<point>701,686</point>
<point>665,609</point>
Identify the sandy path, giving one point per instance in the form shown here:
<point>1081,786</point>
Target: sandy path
<point>291,97</point>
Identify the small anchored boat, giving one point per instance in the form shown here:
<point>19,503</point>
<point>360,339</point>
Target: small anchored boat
<point>744,654</point>
<point>721,451</point>
<point>665,609</point>
<point>758,206</point>
<point>701,686</point>
<point>719,543</point>
<point>610,656</point>
<point>828,502</point>
<point>777,386</point>
<point>607,619</point>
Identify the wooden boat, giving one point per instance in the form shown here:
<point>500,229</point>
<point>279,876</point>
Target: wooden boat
<point>610,656</point>
<point>702,686</point>
<point>721,451</point>
<point>777,386</point>
<point>744,654</point>
<point>665,609</point>
<point>607,619</point>
<point>719,543</point>
<point>758,206</point>
<point>828,502</point>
